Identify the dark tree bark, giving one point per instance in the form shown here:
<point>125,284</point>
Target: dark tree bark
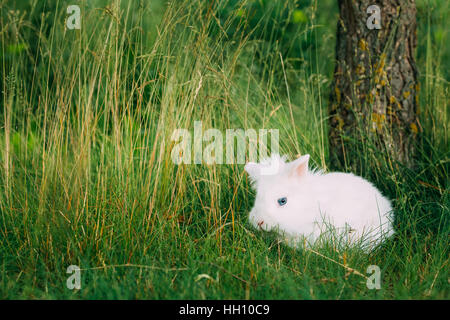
<point>375,81</point>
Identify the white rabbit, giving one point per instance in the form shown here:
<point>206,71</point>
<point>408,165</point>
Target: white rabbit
<point>300,203</point>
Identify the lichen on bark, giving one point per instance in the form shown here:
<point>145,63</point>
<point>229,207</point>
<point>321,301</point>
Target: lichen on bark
<point>375,80</point>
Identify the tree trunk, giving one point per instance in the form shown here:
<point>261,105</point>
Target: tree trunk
<point>375,86</point>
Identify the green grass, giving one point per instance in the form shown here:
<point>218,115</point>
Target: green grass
<point>86,175</point>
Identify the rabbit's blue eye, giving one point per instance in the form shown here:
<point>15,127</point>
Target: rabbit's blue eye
<point>282,201</point>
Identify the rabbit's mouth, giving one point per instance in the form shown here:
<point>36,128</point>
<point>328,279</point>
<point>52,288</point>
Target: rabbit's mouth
<point>260,223</point>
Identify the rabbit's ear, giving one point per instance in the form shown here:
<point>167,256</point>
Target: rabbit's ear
<point>299,167</point>
<point>252,169</point>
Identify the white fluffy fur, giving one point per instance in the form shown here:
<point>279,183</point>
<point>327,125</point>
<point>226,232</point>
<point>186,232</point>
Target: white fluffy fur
<point>355,209</point>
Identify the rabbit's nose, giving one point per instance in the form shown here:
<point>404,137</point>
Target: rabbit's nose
<point>260,223</point>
